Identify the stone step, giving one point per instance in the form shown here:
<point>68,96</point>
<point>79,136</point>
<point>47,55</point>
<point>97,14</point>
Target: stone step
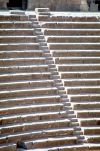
<point>84,97</point>
<point>25,76</point>
<point>22,61</point>
<point>90,121</point>
<point>48,120</point>
<point>74,46</point>
<point>37,134</point>
<point>67,32</point>
<point>75,53</point>
<point>26,84</point>
<point>80,74</point>
<point>70,25</point>
<point>19,39</point>
<point>30,108</point>
<point>87,113</point>
<point>16,32</point>
<point>15,24</point>
<point>82,89</point>
<point>28,92</point>
<point>81,82</point>
<point>12,17</point>
<point>49,142</point>
<point>74,18</point>
<point>85,105</point>
<point>23,69</point>
<point>78,67</point>
<point>30,100</point>
<point>73,39</point>
<point>20,53</point>
<point>91,130</point>
<point>8,147</point>
<point>93,138</point>
<point>19,46</point>
<point>76,60</point>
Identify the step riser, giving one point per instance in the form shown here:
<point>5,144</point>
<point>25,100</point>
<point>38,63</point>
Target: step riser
<point>82,53</point>
<point>17,77</point>
<point>23,69</point>
<point>15,25</point>
<point>13,17</point>
<point>14,39</point>
<point>81,82</point>
<point>70,32</point>
<point>71,25</point>
<point>86,106</point>
<point>26,61</point>
<point>78,61</point>
<point>94,140</point>
<point>78,68</point>
<point>88,114</point>
<point>82,90</point>
<point>30,100</point>
<point>19,46</point>
<point>84,98</point>
<point>20,54</point>
<point>80,75</point>
<point>27,93</point>
<point>91,122</point>
<point>73,39</point>
<point>26,84</point>
<point>74,46</point>
<point>16,32</point>
<point>91,131</point>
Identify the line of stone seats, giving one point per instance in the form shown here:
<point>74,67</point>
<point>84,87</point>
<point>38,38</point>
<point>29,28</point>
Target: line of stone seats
<point>19,39</point>
<point>70,25</point>
<point>73,39</point>
<point>13,17</point>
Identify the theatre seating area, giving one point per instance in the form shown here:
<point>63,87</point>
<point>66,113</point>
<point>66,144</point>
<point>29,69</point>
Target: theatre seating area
<point>49,82</point>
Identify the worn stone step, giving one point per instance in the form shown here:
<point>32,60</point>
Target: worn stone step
<point>91,130</point>
<point>78,67</point>
<point>80,74</point>
<point>75,18</point>
<point>83,97</point>
<point>43,17</point>
<point>25,76</point>
<point>8,147</point>
<point>70,24</point>
<point>30,108</point>
<point>90,121</point>
<point>50,142</point>
<point>30,100</point>
<point>11,17</point>
<point>9,32</point>
<point>28,92</point>
<point>22,61</point>
<point>76,60</point>
<point>15,24</point>
<point>20,53</point>
<point>74,46</point>
<point>81,82</point>
<point>87,113</point>
<point>19,46</point>
<point>48,120</point>
<point>37,134</point>
<point>26,84</point>
<point>67,32</point>
<point>85,105</point>
<point>75,53</point>
<point>93,138</point>
<point>18,39</point>
<point>82,89</point>
<point>23,69</point>
<point>73,39</point>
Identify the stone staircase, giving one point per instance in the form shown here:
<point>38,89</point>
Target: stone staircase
<point>48,100</point>
<point>74,44</point>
